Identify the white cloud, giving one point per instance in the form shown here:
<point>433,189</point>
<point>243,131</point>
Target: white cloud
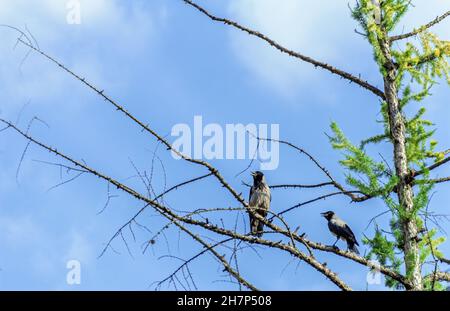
<point>109,28</point>
<point>48,18</point>
<point>298,25</point>
<point>423,12</point>
<point>6,182</point>
<point>321,29</point>
<point>19,231</point>
<point>47,252</point>
<point>79,249</point>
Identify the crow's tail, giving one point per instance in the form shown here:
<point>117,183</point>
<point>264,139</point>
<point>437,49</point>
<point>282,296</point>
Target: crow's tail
<point>256,227</point>
<point>260,228</point>
<point>352,247</point>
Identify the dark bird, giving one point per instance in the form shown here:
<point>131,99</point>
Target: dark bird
<point>341,230</point>
<point>259,202</point>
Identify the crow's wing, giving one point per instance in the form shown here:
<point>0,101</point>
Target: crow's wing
<point>335,229</point>
<point>339,228</point>
<point>350,234</point>
<point>251,193</point>
<point>266,202</point>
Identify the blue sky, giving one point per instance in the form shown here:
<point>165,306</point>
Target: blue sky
<point>167,63</point>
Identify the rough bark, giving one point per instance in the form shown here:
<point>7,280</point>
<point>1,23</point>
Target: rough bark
<point>404,188</point>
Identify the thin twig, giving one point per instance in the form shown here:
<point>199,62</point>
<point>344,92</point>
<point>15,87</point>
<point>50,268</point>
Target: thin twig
<point>421,29</point>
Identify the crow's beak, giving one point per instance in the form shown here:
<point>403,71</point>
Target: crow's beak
<point>253,174</point>
<point>323,214</point>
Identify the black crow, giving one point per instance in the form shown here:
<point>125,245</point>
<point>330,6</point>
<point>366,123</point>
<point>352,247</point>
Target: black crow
<point>259,202</point>
<point>341,230</point>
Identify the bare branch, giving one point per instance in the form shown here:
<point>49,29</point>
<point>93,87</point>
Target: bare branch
<point>322,197</point>
<point>432,167</point>
<point>297,55</point>
<point>434,181</point>
<point>222,259</point>
<point>141,210</point>
<point>290,186</point>
<point>143,126</point>
<point>188,261</point>
<point>356,258</point>
<point>296,186</point>
<point>439,276</point>
<point>195,219</point>
<point>65,182</point>
<point>330,249</point>
<point>169,214</point>
<point>421,29</point>
<point>333,181</point>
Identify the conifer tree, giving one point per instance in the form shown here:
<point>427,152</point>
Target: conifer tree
<point>408,73</point>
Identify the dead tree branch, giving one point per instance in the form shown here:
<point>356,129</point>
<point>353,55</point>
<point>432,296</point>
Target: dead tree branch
<point>439,276</point>
<point>307,59</point>
<point>143,126</point>
<point>421,29</point>
<point>169,214</point>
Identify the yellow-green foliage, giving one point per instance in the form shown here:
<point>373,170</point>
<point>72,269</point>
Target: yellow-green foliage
<point>418,65</point>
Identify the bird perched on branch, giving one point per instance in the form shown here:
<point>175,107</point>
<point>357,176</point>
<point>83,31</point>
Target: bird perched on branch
<point>259,202</point>
<point>341,230</point>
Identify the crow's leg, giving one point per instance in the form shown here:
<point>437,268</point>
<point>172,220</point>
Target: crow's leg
<point>334,245</point>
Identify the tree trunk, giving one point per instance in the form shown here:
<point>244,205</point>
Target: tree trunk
<point>404,189</point>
